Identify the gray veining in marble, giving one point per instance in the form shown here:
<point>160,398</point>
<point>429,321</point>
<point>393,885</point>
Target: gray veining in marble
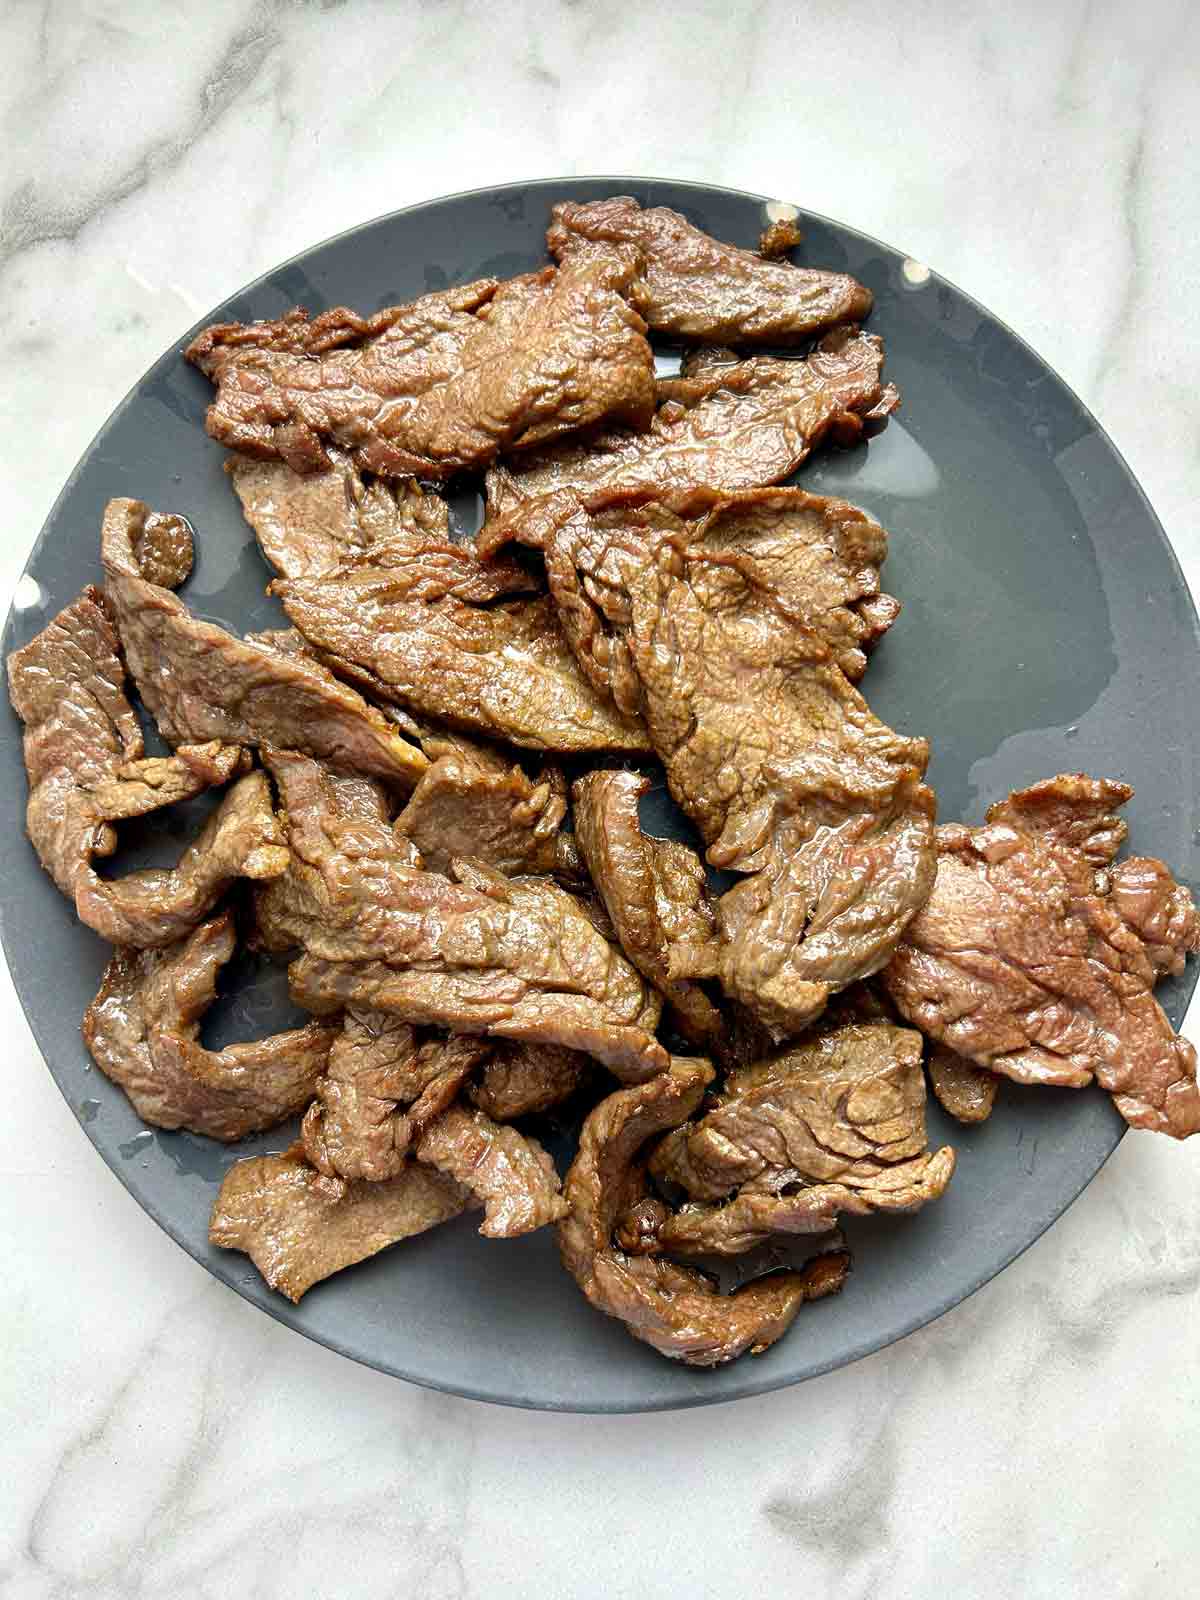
<point>161,1436</point>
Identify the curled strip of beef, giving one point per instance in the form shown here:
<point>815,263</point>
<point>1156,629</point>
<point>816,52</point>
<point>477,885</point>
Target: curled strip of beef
<point>695,287</point>
<point>519,1080</point>
<point>201,683</point>
<point>381,1092</point>
<point>675,1309</point>
<point>473,802</point>
<point>656,893</point>
<point>442,384</point>
<point>156,905</point>
<point>299,1226</point>
<point>87,769</point>
<point>510,1173</point>
<point>966,1091</point>
<point>1036,958</point>
<point>142,1030</point>
<point>835,1125</point>
<point>503,670</point>
<point>514,958</point>
<point>384,1097</point>
<point>724,424</point>
<point>723,620</point>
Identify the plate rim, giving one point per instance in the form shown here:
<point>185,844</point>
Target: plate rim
<point>273,1305</point>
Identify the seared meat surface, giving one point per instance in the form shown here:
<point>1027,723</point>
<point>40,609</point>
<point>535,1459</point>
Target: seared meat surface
<point>1036,957</point>
<point>508,1172</point>
<point>502,670</point>
<point>655,892</point>
<point>311,525</point>
<point>723,622</point>
<point>298,1226</point>
<point>695,287</point>
<point>143,1028</point>
<point>358,1125</point>
<point>676,1309</point>
<point>966,1091</point>
<point>473,802</point>
<point>201,683</point>
<point>519,1080</point>
<point>87,767</point>
<point>514,958</point>
<point>723,423</point>
<point>834,1126</point>
<point>440,385</point>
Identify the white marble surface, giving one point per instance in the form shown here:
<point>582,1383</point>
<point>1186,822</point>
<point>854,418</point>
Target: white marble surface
<point>163,1437</point>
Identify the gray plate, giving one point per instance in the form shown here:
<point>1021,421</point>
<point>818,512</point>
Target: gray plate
<point>1047,626</point>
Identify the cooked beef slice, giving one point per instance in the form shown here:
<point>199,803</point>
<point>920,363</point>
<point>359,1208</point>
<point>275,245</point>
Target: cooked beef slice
<point>1160,911</point>
<point>695,287</point>
<point>1027,960</point>
<point>200,682</point>
<point>677,1310</point>
<point>780,236</point>
<point>352,887</point>
<point>384,1096</point>
<point>502,670</point>
<point>834,1125</point>
<point>723,425</point>
<point>380,1093</point>
<point>733,662</point>
<point>143,1027</point>
<point>473,802</point>
<point>518,1080</point>
<point>656,893</point>
<point>966,1091</point>
<point>312,525</point>
<point>88,769</point>
<point>299,1226</point>
<point>440,385</point>
<point>510,1174</point>
<point>157,905</point>
<point>162,548</point>
<point>290,642</point>
<point>354,1128</point>
<point>514,958</point>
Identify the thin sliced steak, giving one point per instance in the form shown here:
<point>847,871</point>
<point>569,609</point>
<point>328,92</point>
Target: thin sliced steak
<point>834,1126</point>
<point>520,1080</point>
<point>311,525</point>
<point>299,1226</point>
<point>1036,957</point>
<point>516,958</point>
<point>473,802</point>
<point>157,905</point>
<point>656,893</point>
<point>87,769</point>
<point>143,1027</point>
<point>675,1309</point>
<point>440,385</point>
<point>723,424</point>
<point>695,287</point>
<point>380,1094</point>
<point>724,622</point>
<point>508,1172</point>
<point>201,683</point>
<point>502,670</point>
